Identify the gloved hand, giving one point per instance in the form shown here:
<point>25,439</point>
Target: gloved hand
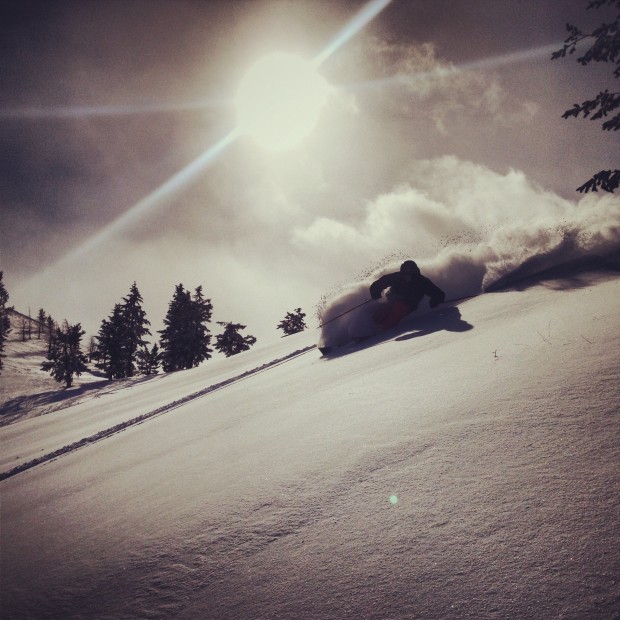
<point>375,291</point>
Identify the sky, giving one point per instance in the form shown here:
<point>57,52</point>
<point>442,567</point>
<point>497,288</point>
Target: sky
<point>440,128</point>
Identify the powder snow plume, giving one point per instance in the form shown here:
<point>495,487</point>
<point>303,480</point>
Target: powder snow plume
<point>476,241</point>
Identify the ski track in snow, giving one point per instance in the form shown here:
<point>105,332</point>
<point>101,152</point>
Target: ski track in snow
<point>108,432</point>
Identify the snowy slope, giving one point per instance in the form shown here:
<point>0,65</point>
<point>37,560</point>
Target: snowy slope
<point>437,474</point>
<point>21,373</point>
<point>114,405</point>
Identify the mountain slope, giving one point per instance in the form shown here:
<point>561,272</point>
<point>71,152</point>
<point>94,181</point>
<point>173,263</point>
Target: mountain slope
<point>438,474</point>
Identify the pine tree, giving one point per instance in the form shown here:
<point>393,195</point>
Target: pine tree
<point>149,361</point>
<point>66,358</point>
<point>185,338</point>
<point>174,335</point>
<point>604,47</point>
<point>50,333</point>
<point>135,327</point>
<point>92,349</point>
<point>231,341</point>
<point>121,336</point>
<point>293,322</point>
<point>201,311</point>
<point>5,323</point>
<point>111,350</point>
<point>41,322</point>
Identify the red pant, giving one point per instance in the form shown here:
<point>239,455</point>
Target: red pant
<point>390,314</point>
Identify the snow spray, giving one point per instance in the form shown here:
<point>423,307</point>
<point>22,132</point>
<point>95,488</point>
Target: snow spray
<point>493,251</point>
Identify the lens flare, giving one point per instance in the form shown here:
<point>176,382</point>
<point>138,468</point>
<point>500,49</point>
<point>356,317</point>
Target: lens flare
<point>76,112</point>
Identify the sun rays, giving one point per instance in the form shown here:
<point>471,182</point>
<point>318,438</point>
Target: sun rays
<point>156,198</point>
<point>363,17</point>
<point>77,112</point>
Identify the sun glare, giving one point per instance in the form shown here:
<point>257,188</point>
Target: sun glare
<point>279,100</point>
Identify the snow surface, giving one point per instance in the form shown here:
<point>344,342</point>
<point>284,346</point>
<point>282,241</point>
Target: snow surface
<point>439,473</point>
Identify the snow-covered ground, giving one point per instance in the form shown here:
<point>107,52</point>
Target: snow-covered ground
<point>466,466</point>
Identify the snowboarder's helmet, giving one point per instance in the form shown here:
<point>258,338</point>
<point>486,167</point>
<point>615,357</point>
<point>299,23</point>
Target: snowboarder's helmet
<point>410,268</point>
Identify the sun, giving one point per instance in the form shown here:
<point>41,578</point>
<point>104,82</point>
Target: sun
<point>279,100</point>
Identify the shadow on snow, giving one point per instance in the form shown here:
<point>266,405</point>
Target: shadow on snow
<point>446,318</point>
<point>54,400</point>
<point>443,319</point>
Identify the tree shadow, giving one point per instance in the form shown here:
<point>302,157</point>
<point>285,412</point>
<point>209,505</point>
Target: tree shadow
<point>444,319</point>
<point>27,353</point>
<point>54,400</point>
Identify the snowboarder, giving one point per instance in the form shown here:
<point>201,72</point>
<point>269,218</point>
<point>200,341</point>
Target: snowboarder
<point>407,288</point>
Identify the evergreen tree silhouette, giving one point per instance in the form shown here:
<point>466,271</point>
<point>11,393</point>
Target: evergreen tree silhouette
<point>41,322</point>
<point>201,311</point>
<point>121,336</point>
<point>605,47</point>
<point>111,349</point>
<point>5,323</point>
<point>185,338</point>
<point>135,327</point>
<point>293,322</point>
<point>148,361</point>
<point>50,333</point>
<point>231,342</point>
<point>66,358</point>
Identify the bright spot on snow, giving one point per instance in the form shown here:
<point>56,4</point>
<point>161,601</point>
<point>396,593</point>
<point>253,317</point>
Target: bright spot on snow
<point>393,499</point>
<point>279,100</point>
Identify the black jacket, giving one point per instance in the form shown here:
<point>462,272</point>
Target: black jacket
<point>411,292</point>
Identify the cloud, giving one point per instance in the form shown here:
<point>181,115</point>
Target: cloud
<point>445,201</point>
<point>422,83</point>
